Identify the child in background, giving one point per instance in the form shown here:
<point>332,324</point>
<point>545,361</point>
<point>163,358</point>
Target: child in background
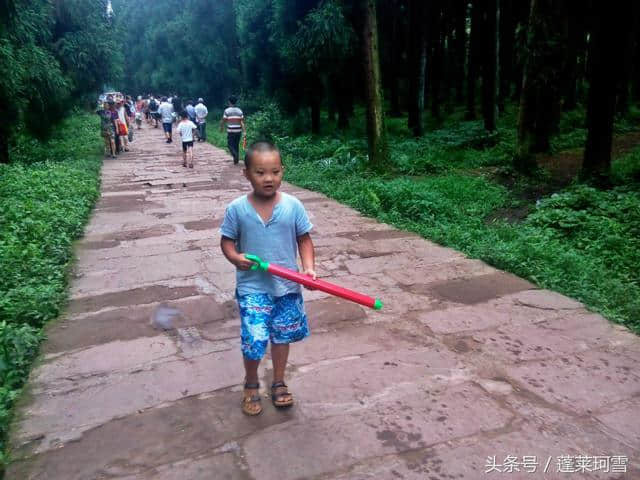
<point>186,128</point>
<point>274,226</point>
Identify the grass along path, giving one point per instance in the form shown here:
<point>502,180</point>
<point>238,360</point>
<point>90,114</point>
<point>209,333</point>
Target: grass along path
<point>46,196</point>
<point>452,186</point>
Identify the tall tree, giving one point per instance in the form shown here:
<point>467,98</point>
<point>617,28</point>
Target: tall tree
<point>628,66</point>
<point>416,46</point>
<point>490,65</point>
<point>319,51</point>
<point>475,51</point>
<point>507,31</point>
<point>576,49</point>
<point>610,24</point>
<point>540,96</point>
<point>459,46</point>
<point>435,46</point>
<point>376,132</point>
<point>52,55</point>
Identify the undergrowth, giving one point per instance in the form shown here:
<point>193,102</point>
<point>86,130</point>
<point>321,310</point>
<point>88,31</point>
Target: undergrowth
<point>582,242</point>
<point>46,195</point>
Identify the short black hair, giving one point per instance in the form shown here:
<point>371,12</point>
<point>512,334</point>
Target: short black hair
<point>233,99</point>
<point>184,114</point>
<point>259,146</point>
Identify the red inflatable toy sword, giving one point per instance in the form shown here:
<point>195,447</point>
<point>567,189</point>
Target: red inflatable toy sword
<point>307,281</point>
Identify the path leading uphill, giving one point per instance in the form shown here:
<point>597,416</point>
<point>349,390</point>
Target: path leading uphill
<point>466,365</point>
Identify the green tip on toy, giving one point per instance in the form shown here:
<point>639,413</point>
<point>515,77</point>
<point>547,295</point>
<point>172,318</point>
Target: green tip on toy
<point>378,304</point>
<point>258,263</point>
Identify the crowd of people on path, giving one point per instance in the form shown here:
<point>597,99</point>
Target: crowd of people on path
<point>119,114</point>
<point>271,308</point>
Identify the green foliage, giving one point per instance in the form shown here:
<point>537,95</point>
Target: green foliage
<point>188,48</point>
<point>267,123</point>
<point>324,40</point>
<point>46,196</point>
<point>582,242</point>
<point>51,57</point>
<point>626,169</point>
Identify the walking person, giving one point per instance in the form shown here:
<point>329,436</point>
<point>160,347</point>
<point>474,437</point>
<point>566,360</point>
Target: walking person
<point>201,120</point>
<point>130,108</point>
<point>153,111</point>
<point>123,130</point>
<point>234,118</point>
<point>186,128</point>
<point>274,226</point>
<point>165,110</point>
<point>107,129</point>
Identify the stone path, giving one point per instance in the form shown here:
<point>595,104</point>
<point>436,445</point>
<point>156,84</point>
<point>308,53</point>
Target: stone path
<point>465,362</point>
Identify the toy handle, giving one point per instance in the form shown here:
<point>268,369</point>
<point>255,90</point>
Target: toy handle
<point>258,264</point>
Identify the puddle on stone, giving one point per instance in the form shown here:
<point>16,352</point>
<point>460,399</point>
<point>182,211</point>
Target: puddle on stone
<point>164,316</point>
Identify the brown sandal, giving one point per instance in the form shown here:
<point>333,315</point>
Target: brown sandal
<point>251,403</point>
<point>280,395</point>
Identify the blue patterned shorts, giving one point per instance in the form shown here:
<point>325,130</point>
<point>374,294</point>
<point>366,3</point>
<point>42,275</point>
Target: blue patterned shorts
<point>267,318</point>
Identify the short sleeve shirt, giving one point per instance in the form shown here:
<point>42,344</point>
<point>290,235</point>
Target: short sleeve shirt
<point>186,130</point>
<point>234,116</point>
<point>274,241</point>
<point>166,110</point>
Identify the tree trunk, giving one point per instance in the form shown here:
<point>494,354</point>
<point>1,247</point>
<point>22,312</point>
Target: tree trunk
<point>629,47</point>
<point>415,55</point>
<point>423,74</point>
<point>635,82</point>
<point>575,46</point>
<point>506,40</point>
<point>544,65</point>
<point>376,135</point>
<point>523,160</point>
<point>474,54</point>
<point>315,114</point>
<point>437,55</point>
<point>460,46</point>
<point>4,144</point>
<point>610,26</point>
<point>394,90</point>
<point>490,66</point>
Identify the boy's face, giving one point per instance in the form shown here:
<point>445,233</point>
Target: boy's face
<point>265,173</point>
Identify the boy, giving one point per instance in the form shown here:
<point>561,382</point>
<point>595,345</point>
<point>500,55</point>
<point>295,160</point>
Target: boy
<point>234,118</point>
<point>274,226</point>
<point>186,128</point>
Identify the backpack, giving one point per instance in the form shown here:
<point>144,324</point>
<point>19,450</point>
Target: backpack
<point>153,105</point>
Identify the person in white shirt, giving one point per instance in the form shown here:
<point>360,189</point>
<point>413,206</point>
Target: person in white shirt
<point>166,112</point>
<point>201,120</point>
<point>186,128</point>
<point>123,127</point>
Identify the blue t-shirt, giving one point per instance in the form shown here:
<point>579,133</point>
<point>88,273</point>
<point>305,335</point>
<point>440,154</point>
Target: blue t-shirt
<point>274,241</point>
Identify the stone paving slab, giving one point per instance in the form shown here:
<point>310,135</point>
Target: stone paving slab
<point>465,363</point>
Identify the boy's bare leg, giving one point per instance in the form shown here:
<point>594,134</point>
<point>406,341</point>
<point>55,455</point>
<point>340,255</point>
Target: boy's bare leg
<point>279,392</point>
<point>251,370</point>
<point>279,356</point>
<point>190,155</point>
<point>184,158</point>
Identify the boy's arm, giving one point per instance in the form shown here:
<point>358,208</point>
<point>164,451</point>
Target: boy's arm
<point>222,120</point>
<point>244,129</point>
<point>229,250</point>
<point>307,255</point>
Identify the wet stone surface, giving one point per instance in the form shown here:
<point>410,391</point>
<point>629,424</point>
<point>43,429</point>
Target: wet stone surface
<point>141,377</point>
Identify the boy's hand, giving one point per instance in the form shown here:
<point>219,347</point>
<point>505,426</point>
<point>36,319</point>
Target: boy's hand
<point>242,262</point>
<point>312,273</point>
